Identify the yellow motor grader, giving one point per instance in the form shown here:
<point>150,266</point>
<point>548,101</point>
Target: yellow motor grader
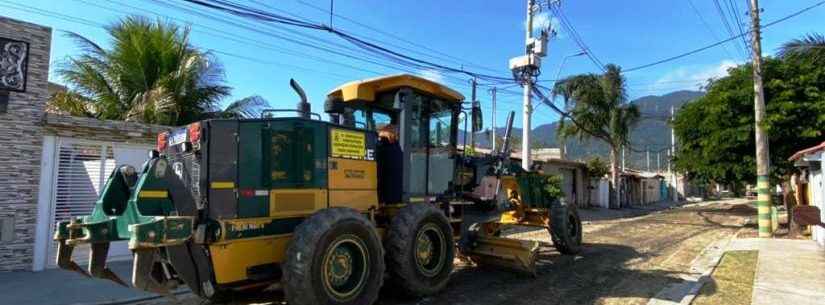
<point>326,209</point>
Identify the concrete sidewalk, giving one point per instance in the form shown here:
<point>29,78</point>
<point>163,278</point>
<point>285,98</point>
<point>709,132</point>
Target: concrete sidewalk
<point>60,287</point>
<point>788,271</point>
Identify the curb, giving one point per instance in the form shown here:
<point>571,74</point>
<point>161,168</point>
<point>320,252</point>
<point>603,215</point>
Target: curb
<point>685,292</point>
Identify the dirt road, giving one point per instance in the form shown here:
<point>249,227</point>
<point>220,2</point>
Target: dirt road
<point>626,260</point>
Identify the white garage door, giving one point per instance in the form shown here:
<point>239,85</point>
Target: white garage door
<point>80,172</point>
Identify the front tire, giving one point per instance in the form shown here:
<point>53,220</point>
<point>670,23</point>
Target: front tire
<point>565,228</point>
<point>335,257</point>
<point>420,250</point>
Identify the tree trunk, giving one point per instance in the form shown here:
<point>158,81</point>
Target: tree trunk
<point>615,198</point>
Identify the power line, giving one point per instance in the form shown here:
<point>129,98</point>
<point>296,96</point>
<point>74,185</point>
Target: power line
<point>721,12</point>
<point>707,25</point>
<point>297,39</point>
<point>90,23</point>
<point>672,58</point>
<point>575,35</point>
<point>443,56</point>
<point>734,11</point>
<point>268,17</point>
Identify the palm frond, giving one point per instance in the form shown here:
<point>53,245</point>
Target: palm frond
<point>70,103</point>
<point>248,107</point>
<point>811,45</point>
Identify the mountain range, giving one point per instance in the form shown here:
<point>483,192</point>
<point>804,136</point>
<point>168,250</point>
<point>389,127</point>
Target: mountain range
<point>651,132</point>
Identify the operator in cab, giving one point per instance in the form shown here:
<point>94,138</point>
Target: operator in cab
<point>390,165</point>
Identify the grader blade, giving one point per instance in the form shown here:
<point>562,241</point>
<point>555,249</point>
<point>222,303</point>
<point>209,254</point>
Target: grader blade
<point>508,253</point>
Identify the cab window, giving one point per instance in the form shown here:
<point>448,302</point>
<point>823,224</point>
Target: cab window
<point>441,120</point>
<point>380,119</point>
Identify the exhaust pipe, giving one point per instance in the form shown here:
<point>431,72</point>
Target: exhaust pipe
<point>304,107</point>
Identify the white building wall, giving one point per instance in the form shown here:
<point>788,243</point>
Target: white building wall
<point>818,199</point>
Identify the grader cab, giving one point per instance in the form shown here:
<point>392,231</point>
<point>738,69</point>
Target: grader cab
<point>325,209</point>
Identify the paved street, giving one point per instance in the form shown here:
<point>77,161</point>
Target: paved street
<point>626,260</point>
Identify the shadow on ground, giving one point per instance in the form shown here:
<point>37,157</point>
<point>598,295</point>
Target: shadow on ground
<point>599,271</point>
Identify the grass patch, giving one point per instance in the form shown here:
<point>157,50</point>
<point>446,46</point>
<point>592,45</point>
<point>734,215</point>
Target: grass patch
<point>732,281</point>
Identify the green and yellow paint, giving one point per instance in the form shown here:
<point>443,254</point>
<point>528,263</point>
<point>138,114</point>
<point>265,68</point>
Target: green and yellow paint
<point>763,205</point>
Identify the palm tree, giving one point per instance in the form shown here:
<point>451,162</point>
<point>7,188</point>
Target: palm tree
<point>150,74</point>
<point>598,108</point>
<point>811,45</point>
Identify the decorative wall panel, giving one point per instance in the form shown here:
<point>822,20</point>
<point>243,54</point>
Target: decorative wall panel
<point>14,57</point>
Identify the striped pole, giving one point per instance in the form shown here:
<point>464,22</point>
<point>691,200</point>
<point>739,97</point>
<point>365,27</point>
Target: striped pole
<point>763,204</point>
<point>763,166</point>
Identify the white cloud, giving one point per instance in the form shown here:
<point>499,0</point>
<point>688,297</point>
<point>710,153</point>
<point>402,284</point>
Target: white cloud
<point>432,75</point>
<point>690,77</point>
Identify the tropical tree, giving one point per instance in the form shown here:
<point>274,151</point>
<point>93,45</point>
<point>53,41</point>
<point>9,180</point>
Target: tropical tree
<point>716,132</point>
<point>598,108</point>
<point>151,74</point>
<point>811,46</point>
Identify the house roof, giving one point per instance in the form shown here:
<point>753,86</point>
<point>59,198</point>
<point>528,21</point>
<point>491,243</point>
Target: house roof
<point>807,151</point>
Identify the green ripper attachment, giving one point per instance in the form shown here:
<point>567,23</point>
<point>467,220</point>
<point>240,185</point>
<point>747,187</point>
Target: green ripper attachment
<point>133,207</point>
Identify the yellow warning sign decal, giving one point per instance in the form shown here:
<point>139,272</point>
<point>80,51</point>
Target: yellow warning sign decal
<point>348,144</point>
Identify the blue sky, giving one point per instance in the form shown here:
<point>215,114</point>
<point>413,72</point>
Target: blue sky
<point>461,33</point>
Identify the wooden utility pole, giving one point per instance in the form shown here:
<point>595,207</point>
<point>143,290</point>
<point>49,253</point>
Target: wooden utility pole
<point>763,198</point>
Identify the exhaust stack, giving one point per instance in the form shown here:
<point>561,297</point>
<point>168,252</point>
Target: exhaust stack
<point>304,107</point>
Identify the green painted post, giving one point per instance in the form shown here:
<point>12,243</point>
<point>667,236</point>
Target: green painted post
<point>763,204</point>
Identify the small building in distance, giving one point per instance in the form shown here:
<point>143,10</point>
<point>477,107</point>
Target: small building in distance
<point>575,181</point>
<point>642,188</point>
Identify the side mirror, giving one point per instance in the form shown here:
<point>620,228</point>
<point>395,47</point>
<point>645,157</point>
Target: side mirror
<point>478,117</point>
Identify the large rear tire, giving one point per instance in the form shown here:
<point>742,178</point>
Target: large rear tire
<point>335,257</point>
<point>565,228</point>
<point>420,250</point>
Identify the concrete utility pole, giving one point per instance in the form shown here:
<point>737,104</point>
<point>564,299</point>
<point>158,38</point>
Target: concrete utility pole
<point>526,67</point>
<point>493,117</point>
<point>528,93</point>
<point>673,182</point>
<point>763,199</point>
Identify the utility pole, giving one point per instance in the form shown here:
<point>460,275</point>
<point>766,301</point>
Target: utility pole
<point>493,117</point>
<point>673,153</point>
<point>526,67</point>
<point>658,162</point>
<point>623,164</point>
<point>763,199</point>
<point>473,102</point>
<point>647,157</point>
<point>528,93</point>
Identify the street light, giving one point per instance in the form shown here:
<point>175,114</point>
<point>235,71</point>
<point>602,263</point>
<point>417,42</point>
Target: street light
<point>564,60</point>
<point>555,80</point>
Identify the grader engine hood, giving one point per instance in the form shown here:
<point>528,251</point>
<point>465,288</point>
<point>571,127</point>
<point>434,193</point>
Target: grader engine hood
<point>152,210</point>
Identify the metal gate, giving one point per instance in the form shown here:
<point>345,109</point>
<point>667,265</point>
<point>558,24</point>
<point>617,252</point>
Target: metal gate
<point>80,172</point>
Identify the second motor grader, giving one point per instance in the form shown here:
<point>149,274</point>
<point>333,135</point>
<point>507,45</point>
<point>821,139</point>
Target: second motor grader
<point>322,209</point>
